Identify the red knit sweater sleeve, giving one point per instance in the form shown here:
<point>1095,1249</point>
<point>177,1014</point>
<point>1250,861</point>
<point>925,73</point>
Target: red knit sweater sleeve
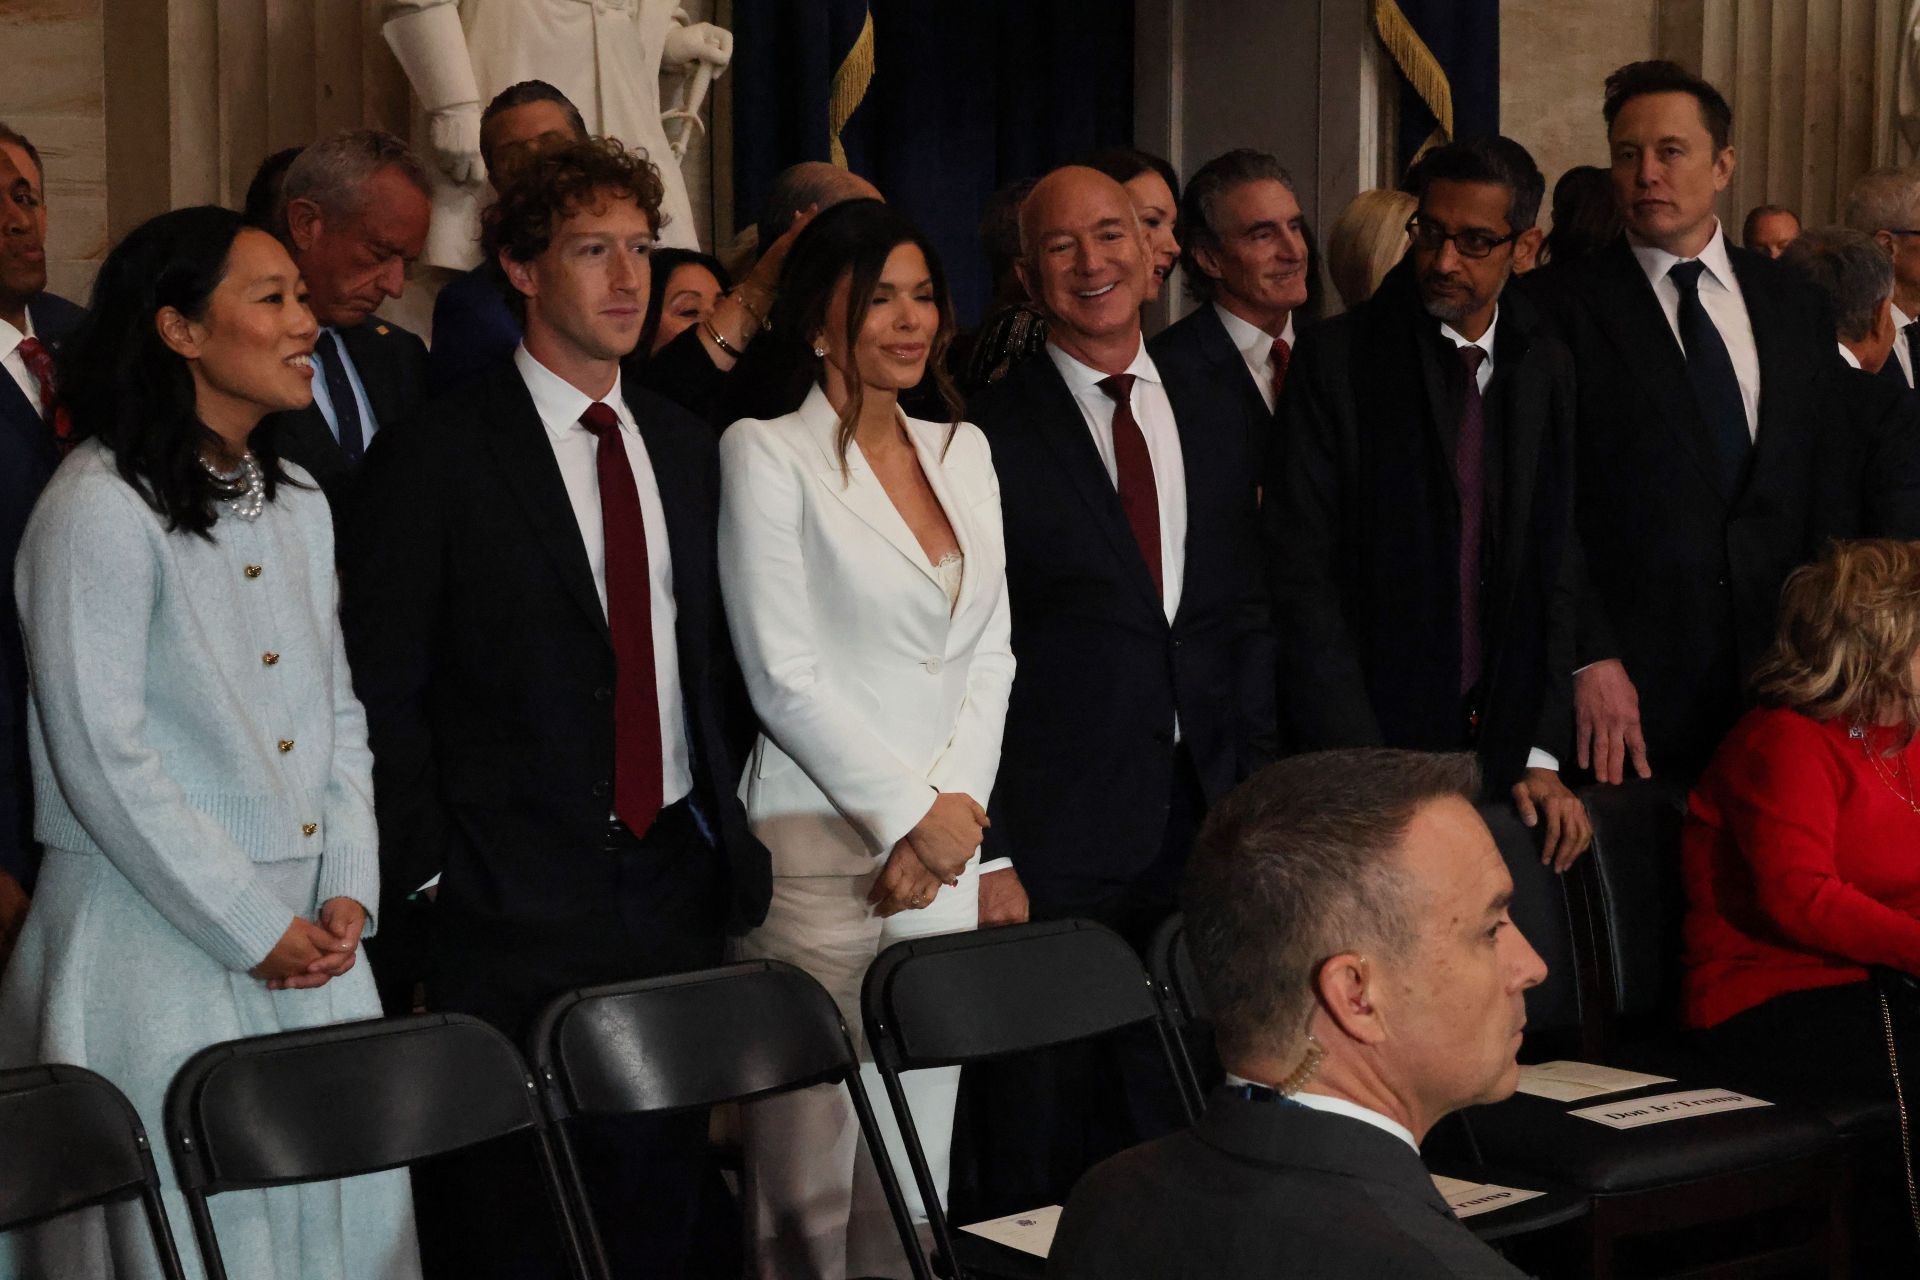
<point>1781,803</point>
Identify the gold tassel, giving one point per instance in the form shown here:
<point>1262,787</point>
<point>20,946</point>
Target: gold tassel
<point>1417,63</point>
<point>850,88</point>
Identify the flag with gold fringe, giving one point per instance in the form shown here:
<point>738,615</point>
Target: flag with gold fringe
<point>1447,55</point>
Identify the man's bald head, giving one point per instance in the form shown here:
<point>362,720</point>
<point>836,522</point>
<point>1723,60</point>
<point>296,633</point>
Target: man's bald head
<point>806,185</point>
<point>1084,261</point>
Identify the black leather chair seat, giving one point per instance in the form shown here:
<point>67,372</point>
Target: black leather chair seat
<point>1540,1137</point>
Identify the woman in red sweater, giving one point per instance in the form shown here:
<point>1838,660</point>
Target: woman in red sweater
<point>1801,851</point>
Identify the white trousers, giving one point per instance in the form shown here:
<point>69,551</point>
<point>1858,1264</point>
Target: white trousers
<point>811,1198</point>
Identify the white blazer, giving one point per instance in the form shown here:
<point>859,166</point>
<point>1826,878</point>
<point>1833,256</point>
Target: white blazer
<point>872,695</point>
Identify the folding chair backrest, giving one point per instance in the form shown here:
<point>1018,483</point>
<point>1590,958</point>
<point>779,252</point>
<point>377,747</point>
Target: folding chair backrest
<point>1636,857</point>
<point>962,997</point>
<point>1171,964</point>
<point>692,1040</point>
<point>1543,912</point>
<point>68,1139</point>
<point>337,1101</point>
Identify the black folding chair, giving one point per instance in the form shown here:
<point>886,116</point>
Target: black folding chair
<point>340,1101</point>
<point>968,997</point>
<point>69,1140</point>
<point>692,1040</point>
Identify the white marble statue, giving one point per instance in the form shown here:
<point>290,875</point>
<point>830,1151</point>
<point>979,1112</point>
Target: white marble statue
<point>1903,139</point>
<point>606,55</point>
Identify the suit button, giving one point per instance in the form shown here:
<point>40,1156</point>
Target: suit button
<point>603,694</point>
<point>933,666</point>
<point>602,789</point>
<point>308,828</point>
<point>269,659</point>
<point>1723,582</point>
<point>253,571</point>
<point>286,745</point>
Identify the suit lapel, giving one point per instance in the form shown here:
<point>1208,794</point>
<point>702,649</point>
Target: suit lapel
<point>929,440</point>
<point>1227,362</point>
<point>1058,420</point>
<point>858,489</point>
<point>1775,353</point>
<point>525,455</point>
<point>1629,314</point>
<point>369,356</point>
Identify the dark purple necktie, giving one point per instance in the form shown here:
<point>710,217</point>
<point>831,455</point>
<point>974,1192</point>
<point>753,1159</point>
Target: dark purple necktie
<point>1469,468</point>
<point>1133,468</point>
<point>637,782</point>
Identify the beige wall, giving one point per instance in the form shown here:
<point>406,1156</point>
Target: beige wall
<point>1554,57</point>
<point>52,92</point>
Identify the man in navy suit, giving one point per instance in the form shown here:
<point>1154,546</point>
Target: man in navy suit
<point>474,331</point>
<point>32,324</point>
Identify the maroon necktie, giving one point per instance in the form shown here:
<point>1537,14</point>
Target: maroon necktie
<point>1469,465</point>
<point>636,705</point>
<point>1139,497</point>
<point>1282,356</point>
<point>40,365</point>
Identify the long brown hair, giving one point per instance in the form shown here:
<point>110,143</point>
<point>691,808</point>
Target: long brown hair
<point>1849,628</point>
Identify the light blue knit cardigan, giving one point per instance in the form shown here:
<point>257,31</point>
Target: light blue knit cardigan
<point>192,715</point>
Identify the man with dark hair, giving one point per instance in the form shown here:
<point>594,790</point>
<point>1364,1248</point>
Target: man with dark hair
<point>265,203</point>
<point>1885,204</point>
<point>1769,229</point>
<point>33,323</point>
<point>474,330</point>
<point>1876,476</point>
<point>532,610</point>
<point>355,208</point>
<point>1419,520</point>
<point>1246,252</point>
<point>1706,378</point>
<point>811,184</point>
<point>1347,914</point>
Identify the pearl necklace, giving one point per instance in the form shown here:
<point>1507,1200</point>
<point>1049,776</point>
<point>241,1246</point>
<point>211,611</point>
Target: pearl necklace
<point>1883,771</point>
<point>245,487</point>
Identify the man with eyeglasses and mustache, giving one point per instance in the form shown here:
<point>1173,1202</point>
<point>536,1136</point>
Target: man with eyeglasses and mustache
<point>1419,520</point>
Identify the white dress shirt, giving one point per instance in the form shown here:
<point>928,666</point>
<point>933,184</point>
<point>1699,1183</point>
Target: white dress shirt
<point>1256,348</point>
<point>1726,307</point>
<point>1846,353</point>
<point>16,364</point>
<point>560,404</point>
<point>1154,413</point>
<point>1341,1107</point>
<point>1902,348</point>
<point>323,398</point>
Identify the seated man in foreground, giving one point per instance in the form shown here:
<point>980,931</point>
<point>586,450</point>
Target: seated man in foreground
<point>1347,915</point>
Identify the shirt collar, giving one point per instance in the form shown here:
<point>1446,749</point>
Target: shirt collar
<point>1484,341</point>
<point>1342,1107</point>
<point>1846,353</point>
<point>1081,378</point>
<point>558,402</point>
<point>1656,262</point>
<point>11,338</point>
<point>1254,343</point>
<point>1900,318</point>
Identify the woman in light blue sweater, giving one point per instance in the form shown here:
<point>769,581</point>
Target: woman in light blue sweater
<point>202,781</point>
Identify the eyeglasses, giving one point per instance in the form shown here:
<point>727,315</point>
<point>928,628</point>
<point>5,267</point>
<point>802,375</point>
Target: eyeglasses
<point>1431,237</point>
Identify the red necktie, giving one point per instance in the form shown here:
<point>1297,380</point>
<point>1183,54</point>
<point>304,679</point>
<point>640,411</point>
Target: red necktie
<point>40,365</point>
<point>1469,465</point>
<point>1139,497</point>
<point>1282,355</point>
<point>636,706</point>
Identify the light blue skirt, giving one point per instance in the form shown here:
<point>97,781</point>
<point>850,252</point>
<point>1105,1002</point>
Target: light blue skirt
<point>100,979</point>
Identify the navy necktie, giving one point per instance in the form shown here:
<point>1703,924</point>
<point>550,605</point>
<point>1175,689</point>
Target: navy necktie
<point>1715,386</point>
<point>346,408</point>
<point>1470,471</point>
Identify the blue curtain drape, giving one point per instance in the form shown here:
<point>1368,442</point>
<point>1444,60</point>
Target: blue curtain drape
<point>1465,36</point>
<point>966,96</point>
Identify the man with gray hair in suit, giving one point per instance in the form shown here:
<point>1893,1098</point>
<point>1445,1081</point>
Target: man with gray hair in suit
<point>1347,915</point>
<point>1885,204</point>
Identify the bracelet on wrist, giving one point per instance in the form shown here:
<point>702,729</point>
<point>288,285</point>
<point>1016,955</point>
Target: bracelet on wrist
<point>713,331</point>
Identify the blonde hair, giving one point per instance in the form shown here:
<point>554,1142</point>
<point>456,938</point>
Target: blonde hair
<point>1849,628</point>
<point>1368,239</point>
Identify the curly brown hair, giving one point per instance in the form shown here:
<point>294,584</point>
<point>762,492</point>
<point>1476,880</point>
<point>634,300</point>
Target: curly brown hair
<point>1849,629</point>
<point>521,222</point>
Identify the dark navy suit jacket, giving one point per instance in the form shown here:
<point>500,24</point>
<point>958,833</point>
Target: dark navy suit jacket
<point>474,331</point>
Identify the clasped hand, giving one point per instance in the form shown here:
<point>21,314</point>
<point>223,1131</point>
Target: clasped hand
<point>934,853</point>
<point>310,955</point>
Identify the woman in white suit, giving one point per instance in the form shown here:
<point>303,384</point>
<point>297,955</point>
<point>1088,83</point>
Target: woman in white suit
<point>865,584</point>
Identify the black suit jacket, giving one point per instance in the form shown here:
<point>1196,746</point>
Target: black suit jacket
<point>474,330</point>
<point>28,455</point>
<point>1200,347</point>
<point>1683,577</point>
<point>482,654</point>
<point>1263,1189</point>
<point>1873,471</point>
<point>1363,531</point>
<point>392,364</point>
<point>1086,763</point>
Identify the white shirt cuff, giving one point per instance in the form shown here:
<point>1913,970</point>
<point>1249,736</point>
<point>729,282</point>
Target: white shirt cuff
<point>996,864</point>
<point>1538,759</point>
<point>428,885</point>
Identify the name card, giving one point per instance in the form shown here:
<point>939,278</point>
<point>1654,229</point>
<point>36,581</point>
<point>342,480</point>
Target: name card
<point>1469,1198</point>
<point>1030,1232</point>
<point>1632,1113</point>
<point>1578,1081</point>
